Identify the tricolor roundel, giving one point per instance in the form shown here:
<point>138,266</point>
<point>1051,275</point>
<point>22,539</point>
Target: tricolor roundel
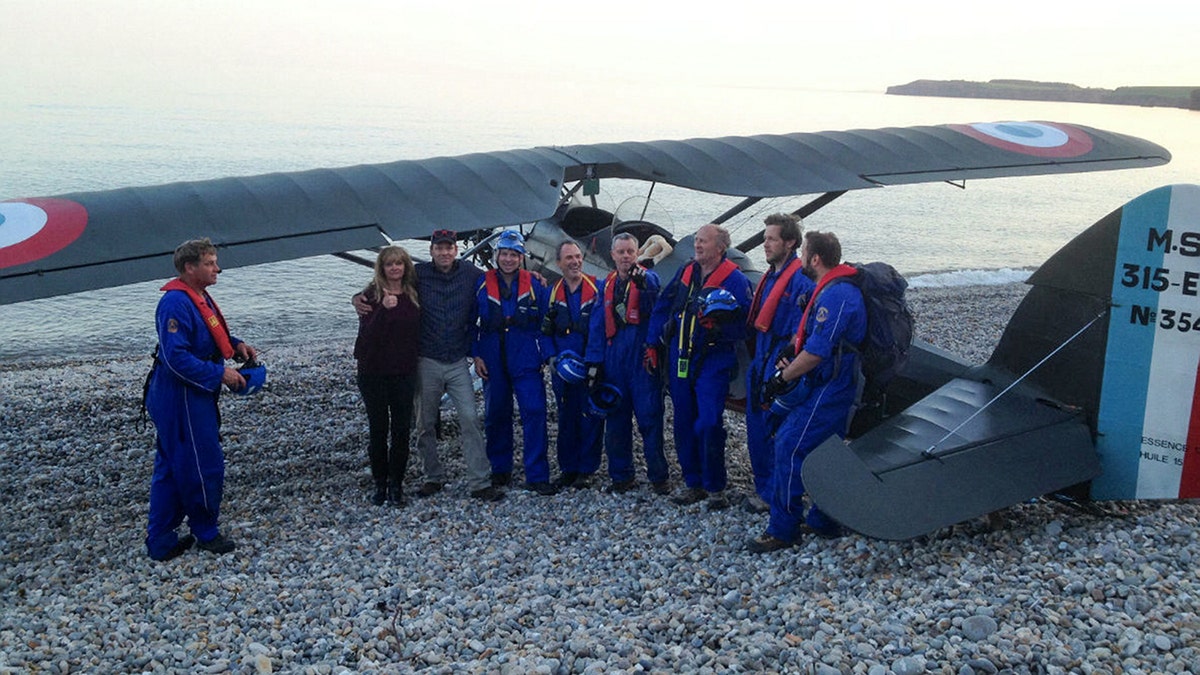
<point>1040,139</point>
<point>31,229</point>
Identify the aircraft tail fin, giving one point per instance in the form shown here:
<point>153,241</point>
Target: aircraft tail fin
<point>1136,371</point>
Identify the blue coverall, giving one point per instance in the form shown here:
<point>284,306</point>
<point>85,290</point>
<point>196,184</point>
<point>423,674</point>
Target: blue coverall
<point>837,319</point>
<point>767,346</point>
<point>513,348</point>
<point>579,434</point>
<point>189,466</point>
<point>641,392</point>
<point>699,384</point>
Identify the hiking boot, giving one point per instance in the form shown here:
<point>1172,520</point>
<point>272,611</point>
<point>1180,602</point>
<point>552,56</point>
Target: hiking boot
<point>661,488</point>
<point>582,482</point>
<point>620,487</point>
<point>487,494</point>
<point>218,544</point>
<point>396,497</point>
<point>690,496</point>
<point>543,489</point>
<point>430,488</point>
<point>380,495</point>
<point>756,504</point>
<point>765,543</point>
<point>717,501</point>
<point>501,479</point>
<point>185,542</point>
<point>566,479</point>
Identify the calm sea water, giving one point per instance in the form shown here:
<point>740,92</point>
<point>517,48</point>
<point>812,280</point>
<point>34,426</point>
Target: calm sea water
<point>992,232</point>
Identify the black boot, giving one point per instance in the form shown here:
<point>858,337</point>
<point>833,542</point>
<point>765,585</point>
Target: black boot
<point>380,494</point>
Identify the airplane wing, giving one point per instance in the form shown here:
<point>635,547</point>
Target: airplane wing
<point>81,241</point>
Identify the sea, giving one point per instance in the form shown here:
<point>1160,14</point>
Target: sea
<point>990,232</point>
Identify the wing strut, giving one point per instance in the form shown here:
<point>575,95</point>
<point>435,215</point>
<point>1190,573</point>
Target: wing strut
<point>804,212</point>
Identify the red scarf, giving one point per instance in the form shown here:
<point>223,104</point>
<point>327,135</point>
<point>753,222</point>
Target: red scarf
<point>633,304</point>
<point>209,312</point>
<point>838,272</point>
<point>763,317</point>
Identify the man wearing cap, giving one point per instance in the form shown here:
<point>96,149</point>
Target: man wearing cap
<point>819,387</point>
<point>509,351</point>
<point>572,302</point>
<point>698,319</point>
<point>446,288</point>
<point>189,368</point>
<point>779,302</point>
<point>617,343</point>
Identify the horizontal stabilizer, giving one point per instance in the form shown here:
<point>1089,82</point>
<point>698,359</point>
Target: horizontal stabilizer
<point>919,471</point>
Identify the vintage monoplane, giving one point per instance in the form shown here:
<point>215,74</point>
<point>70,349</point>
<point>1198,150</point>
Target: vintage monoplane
<point>1093,384</point>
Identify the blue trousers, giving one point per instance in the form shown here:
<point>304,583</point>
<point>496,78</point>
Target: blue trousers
<point>530,392</point>
<point>579,434</point>
<point>189,466</point>
<point>699,402</point>
<point>642,397</point>
<point>824,414</point>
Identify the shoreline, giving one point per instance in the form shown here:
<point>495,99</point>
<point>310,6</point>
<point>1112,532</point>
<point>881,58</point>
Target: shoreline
<point>583,581</point>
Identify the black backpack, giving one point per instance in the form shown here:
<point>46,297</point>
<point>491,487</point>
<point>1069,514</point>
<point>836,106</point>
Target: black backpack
<point>884,351</point>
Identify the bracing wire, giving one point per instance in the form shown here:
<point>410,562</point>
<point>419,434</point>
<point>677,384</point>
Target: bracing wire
<point>929,453</point>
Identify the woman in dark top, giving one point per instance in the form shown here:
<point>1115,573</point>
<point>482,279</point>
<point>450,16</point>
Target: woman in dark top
<point>386,350</point>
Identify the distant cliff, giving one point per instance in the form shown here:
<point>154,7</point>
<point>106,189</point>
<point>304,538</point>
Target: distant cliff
<point>1028,90</point>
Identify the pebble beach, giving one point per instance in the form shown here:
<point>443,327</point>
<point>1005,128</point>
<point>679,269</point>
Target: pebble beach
<point>579,582</point>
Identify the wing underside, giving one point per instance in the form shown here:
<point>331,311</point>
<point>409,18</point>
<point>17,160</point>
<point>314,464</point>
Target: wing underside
<point>129,233</point>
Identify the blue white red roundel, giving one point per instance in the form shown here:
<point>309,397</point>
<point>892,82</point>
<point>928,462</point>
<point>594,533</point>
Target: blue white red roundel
<point>31,229</point>
<point>1041,139</point>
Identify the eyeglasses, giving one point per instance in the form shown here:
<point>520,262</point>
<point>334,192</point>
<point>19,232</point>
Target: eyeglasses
<point>443,234</point>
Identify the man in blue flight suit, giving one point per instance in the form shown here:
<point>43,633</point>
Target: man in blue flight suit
<point>819,386</point>
<point>701,360</point>
<point>573,300</point>
<point>189,369</point>
<point>509,352</point>
<point>779,302</point>
<point>618,342</point>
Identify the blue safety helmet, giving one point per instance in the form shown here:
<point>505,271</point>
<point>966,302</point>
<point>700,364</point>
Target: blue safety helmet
<point>718,304</point>
<point>512,240</point>
<point>570,367</point>
<point>255,375</point>
<point>603,400</point>
<point>792,398</point>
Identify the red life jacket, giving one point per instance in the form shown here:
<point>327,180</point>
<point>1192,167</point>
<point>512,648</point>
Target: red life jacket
<point>209,312</point>
<point>633,304</point>
<point>562,309</point>
<point>525,297</point>
<point>838,272</point>
<point>762,317</point>
<point>715,279</point>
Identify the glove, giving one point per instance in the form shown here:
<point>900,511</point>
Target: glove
<point>650,359</point>
<point>593,376</point>
<point>637,276</point>
<point>774,387</point>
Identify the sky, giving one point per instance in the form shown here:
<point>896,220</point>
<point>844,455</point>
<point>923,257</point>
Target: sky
<point>87,48</point>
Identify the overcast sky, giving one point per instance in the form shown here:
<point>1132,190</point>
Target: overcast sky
<point>67,47</point>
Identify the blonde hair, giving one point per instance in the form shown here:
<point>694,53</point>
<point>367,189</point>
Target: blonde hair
<point>408,283</point>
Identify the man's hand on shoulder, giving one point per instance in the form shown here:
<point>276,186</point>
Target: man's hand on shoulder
<point>360,304</point>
